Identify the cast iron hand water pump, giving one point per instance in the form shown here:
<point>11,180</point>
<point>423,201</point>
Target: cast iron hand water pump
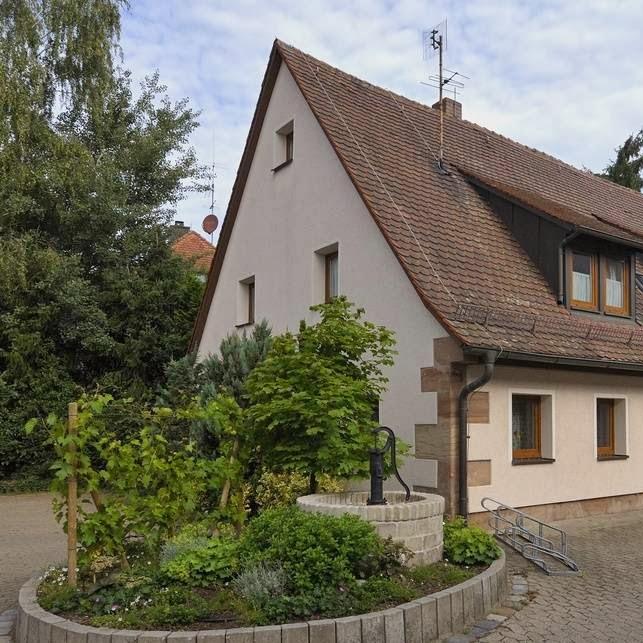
<point>377,468</point>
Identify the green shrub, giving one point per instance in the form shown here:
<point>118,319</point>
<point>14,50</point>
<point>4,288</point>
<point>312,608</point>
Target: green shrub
<point>204,561</point>
<point>261,584</point>
<point>271,490</point>
<point>323,557</point>
<point>468,545</point>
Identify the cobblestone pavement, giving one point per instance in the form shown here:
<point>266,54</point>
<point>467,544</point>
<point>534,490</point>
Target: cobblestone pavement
<point>605,603</point>
<point>30,539</point>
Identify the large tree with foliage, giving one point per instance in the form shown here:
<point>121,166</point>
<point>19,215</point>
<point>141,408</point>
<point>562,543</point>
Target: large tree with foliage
<point>627,168</point>
<point>90,291</point>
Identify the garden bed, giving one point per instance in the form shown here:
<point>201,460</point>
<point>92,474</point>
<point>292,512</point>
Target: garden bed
<point>425,618</point>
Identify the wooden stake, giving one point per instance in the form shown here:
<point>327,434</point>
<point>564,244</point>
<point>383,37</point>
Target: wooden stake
<point>225,492</point>
<point>72,499</point>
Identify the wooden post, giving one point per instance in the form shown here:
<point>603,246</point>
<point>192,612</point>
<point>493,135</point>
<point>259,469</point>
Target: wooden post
<point>72,498</point>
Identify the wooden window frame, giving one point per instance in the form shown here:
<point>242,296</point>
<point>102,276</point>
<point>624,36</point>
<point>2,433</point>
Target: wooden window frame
<point>611,448</point>
<point>594,263</point>
<point>251,302</point>
<point>536,453</point>
<point>623,311</point>
<point>328,258</point>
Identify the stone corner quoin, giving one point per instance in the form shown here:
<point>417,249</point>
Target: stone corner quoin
<point>435,616</point>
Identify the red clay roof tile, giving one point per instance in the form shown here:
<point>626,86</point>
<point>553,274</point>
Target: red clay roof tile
<point>193,247</point>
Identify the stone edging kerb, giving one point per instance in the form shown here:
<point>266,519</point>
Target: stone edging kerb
<point>425,619</point>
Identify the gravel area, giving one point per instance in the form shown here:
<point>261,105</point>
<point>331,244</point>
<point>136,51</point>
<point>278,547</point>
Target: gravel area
<point>30,539</point>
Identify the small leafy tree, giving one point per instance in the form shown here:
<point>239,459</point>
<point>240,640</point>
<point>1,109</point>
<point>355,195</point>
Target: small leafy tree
<point>140,488</point>
<point>311,400</point>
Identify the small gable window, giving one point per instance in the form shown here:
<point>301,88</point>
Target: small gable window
<point>284,146</point>
<point>584,281</point>
<point>246,302</point>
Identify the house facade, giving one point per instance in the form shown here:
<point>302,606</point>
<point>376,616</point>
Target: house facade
<point>509,278</point>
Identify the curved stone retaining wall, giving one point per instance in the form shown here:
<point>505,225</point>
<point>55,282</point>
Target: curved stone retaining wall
<point>426,619</point>
<point>416,523</point>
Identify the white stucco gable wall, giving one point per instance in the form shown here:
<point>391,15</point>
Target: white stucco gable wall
<point>283,218</point>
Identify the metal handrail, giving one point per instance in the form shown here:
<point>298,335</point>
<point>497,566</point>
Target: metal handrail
<point>516,529</point>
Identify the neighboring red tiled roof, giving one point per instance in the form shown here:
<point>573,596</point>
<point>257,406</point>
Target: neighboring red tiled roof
<point>193,247</point>
<point>463,261</point>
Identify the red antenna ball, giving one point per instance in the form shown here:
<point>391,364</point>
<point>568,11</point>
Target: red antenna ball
<point>210,223</point>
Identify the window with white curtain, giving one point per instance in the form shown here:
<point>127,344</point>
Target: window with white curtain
<point>614,284</point>
<point>584,280</point>
<point>599,283</point>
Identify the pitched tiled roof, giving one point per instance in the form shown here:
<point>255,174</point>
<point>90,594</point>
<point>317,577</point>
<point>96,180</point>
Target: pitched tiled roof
<point>463,261</point>
<point>193,247</point>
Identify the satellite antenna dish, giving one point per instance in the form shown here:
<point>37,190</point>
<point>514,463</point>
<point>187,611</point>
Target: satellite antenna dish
<point>210,224</point>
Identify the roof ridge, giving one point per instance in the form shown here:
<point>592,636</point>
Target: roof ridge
<point>605,182</point>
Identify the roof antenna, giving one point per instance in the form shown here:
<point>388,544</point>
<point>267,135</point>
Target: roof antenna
<point>436,40</point>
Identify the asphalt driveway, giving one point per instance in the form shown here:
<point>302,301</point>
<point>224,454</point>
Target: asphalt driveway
<point>30,539</point>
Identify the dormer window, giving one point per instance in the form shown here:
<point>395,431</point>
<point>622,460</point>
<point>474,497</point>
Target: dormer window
<point>616,287</point>
<point>584,281</point>
<point>599,283</point>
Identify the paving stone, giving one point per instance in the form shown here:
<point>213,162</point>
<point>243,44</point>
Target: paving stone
<point>457,612</point>
<point>496,617</point>
<point>272,634</point>
<point>443,601</point>
<point>393,626</point>
<point>126,636</point>
<point>373,628</point>
<point>412,622</point>
<point>322,631</point>
<point>429,608</point>
<point>100,635</point>
<point>181,637</point>
<point>240,635</point>
<point>211,636</point>
<point>349,629</point>
<point>154,636</point>
<point>294,633</point>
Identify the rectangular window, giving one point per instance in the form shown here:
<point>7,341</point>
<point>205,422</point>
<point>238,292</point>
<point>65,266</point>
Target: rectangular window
<point>290,139</point>
<point>605,426</point>
<point>526,426</point>
<point>284,146</point>
<point>584,281</point>
<point>331,280</point>
<point>246,302</point>
<point>251,302</point>
<point>616,287</point>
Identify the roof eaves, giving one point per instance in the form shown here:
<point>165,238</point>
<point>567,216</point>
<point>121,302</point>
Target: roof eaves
<point>267,85</point>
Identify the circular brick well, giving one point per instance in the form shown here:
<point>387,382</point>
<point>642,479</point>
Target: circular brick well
<point>416,523</point>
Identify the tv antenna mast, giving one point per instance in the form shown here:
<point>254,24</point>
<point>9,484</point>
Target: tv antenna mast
<point>436,40</point>
<point>210,222</point>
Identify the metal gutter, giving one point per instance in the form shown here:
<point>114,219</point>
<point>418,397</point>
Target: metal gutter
<point>489,359</point>
<point>540,358</point>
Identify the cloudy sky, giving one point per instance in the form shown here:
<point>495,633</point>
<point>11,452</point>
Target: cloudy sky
<point>562,76</point>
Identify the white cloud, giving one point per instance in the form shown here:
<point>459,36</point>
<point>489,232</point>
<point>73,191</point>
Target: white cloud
<point>562,76</point>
